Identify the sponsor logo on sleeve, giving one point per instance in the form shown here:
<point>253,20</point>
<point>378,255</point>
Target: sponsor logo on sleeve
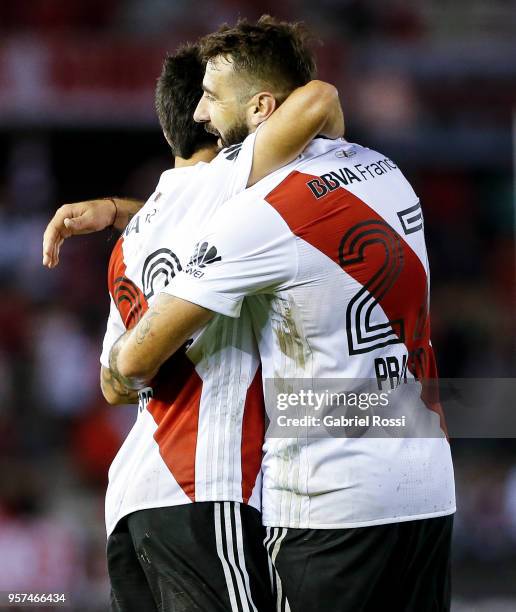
<point>159,269</point>
<point>203,255</point>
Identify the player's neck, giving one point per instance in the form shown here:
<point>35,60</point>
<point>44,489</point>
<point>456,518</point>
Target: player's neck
<point>202,155</point>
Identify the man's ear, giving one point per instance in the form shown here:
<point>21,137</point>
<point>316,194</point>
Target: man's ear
<point>168,139</point>
<point>261,107</point>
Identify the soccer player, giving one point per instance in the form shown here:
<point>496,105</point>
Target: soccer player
<point>328,257</point>
<point>199,433</point>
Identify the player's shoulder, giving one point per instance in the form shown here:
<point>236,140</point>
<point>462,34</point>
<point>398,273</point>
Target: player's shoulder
<point>337,148</point>
<point>230,154</point>
<point>225,157</point>
<point>358,162</point>
<point>248,215</point>
<point>173,184</point>
<point>176,177</point>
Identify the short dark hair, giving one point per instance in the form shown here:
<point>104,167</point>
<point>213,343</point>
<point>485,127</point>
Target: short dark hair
<point>178,91</point>
<point>271,52</point>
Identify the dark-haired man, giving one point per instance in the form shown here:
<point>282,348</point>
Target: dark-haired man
<point>329,254</point>
<point>198,435</point>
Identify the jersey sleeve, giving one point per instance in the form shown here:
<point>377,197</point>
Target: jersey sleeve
<point>247,250</point>
<point>114,329</point>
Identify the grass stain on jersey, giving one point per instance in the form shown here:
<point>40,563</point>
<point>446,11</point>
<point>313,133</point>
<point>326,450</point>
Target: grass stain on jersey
<point>288,337</point>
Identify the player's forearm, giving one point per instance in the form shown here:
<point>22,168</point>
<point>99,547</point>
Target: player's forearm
<point>318,110</point>
<point>114,391</point>
<point>126,208</point>
<point>308,111</point>
<point>334,125</point>
<point>85,217</point>
<point>138,354</point>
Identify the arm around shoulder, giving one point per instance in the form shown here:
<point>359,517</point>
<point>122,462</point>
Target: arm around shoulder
<point>307,112</point>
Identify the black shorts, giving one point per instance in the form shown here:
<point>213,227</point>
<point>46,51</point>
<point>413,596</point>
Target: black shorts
<point>206,556</point>
<point>401,566</point>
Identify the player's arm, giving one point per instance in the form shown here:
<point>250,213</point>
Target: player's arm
<point>85,218</point>
<point>258,254</point>
<point>114,391</point>
<point>308,111</point>
<point>137,355</point>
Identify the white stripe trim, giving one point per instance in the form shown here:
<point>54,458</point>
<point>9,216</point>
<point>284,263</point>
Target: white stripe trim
<point>231,557</point>
<point>271,533</point>
<point>273,544</point>
<point>225,566</point>
<point>241,556</point>
<point>279,588</point>
<point>277,545</point>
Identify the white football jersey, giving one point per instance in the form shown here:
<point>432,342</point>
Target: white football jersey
<point>330,254</point>
<point>199,430</point>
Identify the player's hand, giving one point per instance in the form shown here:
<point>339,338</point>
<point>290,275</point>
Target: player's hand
<point>72,220</point>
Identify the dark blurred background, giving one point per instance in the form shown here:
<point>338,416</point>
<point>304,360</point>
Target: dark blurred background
<point>430,83</point>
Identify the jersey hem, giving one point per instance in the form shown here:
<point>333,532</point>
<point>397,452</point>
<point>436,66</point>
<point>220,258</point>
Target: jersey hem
<point>352,525</point>
<point>147,506</point>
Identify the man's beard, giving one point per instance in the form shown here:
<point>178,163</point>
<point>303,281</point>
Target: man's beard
<point>234,135</point>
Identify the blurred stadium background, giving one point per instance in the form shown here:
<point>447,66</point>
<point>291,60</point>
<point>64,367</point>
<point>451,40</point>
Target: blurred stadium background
<point>431,83</point>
